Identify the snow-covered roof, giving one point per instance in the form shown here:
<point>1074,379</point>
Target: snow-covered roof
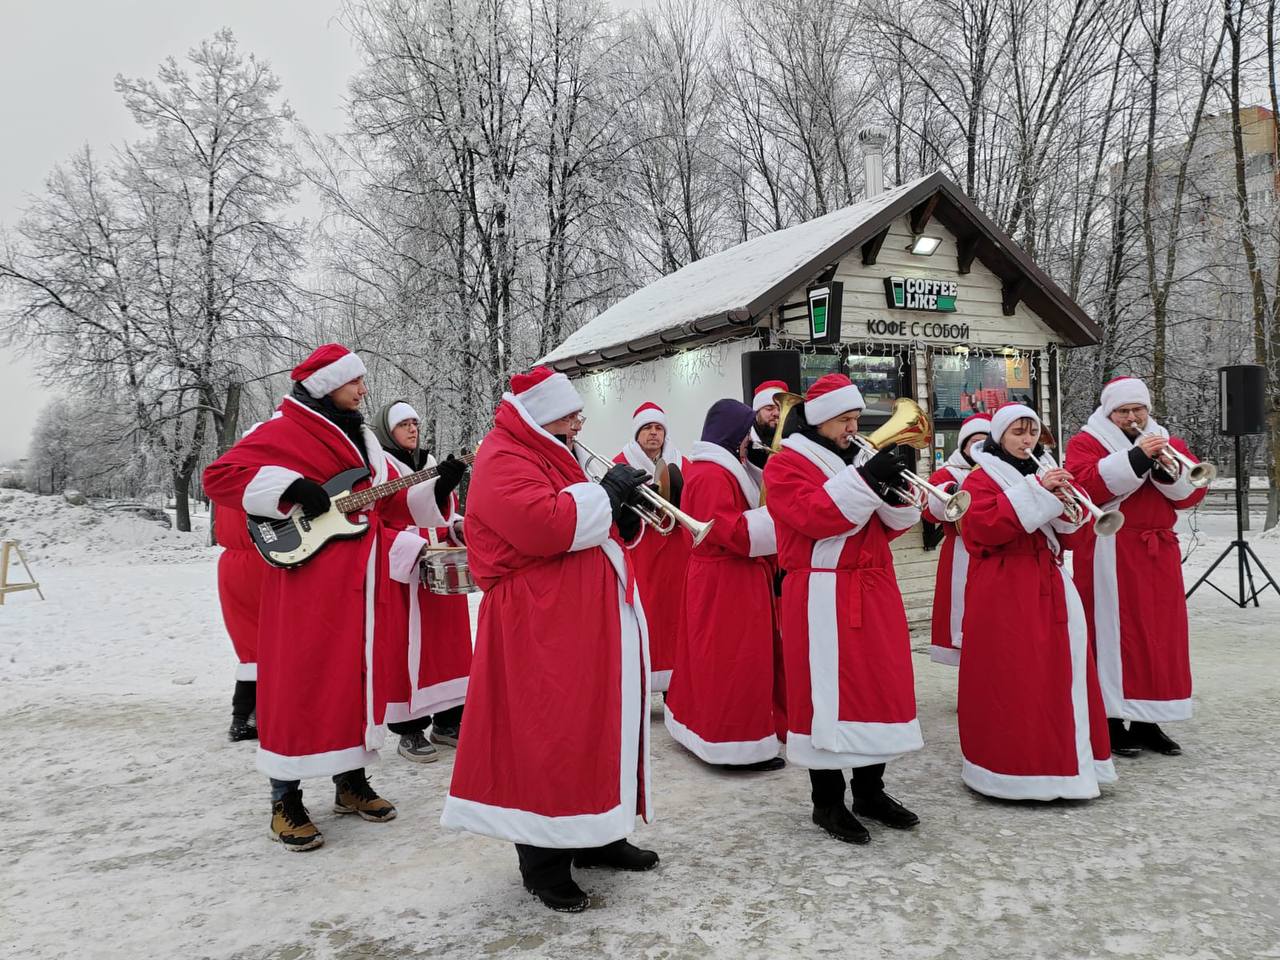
<point>735,287</point>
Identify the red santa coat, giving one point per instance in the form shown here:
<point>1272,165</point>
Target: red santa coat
<point>1032,725</point>
<point>316,699</point>
<point>240,573</point>
<point>557,746</point>
<point>953,568</point>
<point>425,654</point>
<point>850,687</point>
<point>660,564</point>
<point>1131,583</point>
<point>726,703</point>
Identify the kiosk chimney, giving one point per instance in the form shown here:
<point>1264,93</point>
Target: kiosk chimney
<point>872,140</point>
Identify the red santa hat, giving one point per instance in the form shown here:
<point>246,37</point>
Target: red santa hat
<point>545,394</point>
<point>1007,414</point>
<point>764,393</point>
<point>399,413</point>
<point>328,368</point>
<point>830,396</point>
<point>646,414</point>
<point>1123,391</point>
<point>978,423</point>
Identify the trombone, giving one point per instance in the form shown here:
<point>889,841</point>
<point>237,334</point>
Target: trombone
<point>1174,460</point>
<point>657,511</point>
<point>909,425</point>
<point>1105,522</point>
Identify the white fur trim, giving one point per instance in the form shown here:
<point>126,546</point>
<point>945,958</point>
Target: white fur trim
<point>399,413</point>
<point>247,671</point>
<point>328,379</point>
<point>763,398</point>
<point>1007,416</point>
<point>1034,505</point>
<point>967,430</point>
<point>760,528</point>
<point>551,399</point>
<point>1180,489</point>
<point>585,830</point>
<point>439,696</point>
<point>1010,787</point>
<point>704,452</point>
<point>833,403</point>
<point>421,500</point>
<point>262,495</point>
<point>959,579</point>
<point>733,752</point>
<point>852,497</point>
<point>637,458</point>
<point>1105,771</point>
<point>659,681</point>
<point>645,417</point>
<point>279,766</point>
<point>897,518</point>
<point>948,655</point>
<point>1117,473</point>
<point>405,551</point>
<point>1124,391</point>
<point>595,515</point>
<point>802,752</point>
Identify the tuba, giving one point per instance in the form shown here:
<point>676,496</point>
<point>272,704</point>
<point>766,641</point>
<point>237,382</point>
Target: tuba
<point>909,425</point>
<point>787,402</point>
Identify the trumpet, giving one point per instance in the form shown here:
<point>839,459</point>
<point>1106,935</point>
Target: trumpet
<point>1105,522</point>
<point>786,402</point>
<point>1174,460</point>
<point>656,510</point>
<point>909,425</point>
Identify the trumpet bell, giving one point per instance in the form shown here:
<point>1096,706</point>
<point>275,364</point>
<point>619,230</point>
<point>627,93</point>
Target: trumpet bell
<point>907,425</point>
<point>956,506</point>
<point>1202,474</point>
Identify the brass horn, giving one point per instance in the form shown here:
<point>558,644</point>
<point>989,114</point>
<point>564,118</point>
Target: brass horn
<point>786,401</point>
<point>909,425</point>
<point>657,511</point>
<point>1079,507</point>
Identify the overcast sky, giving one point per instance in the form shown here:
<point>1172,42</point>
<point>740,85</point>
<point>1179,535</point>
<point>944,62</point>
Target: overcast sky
<point>57,64</point>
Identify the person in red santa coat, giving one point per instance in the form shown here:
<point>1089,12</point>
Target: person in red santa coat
<point>318,621</point>
<point>726,703</point>
<point>1032,725</point>
<point>953,559</point>
<point>660,561</point>
<point>765,404</point>
<point>240,572</point>
<point>561,632</point>
<point>850,688</point>
<point>1131,583</point>
<point>432,642</point>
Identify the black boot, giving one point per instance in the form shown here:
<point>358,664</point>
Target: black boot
<point>618,855</point>
<point>1123,743</point>
<point>841,824</point>
<point>760,766</point>
<point>1152,737</point>
<point>545,873</point>
<point>880,806</point>
<point>244,702</point>
<point>242,728</point>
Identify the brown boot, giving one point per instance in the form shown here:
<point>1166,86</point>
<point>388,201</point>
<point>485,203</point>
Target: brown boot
<point>352,794</point>
<point>291,825</point>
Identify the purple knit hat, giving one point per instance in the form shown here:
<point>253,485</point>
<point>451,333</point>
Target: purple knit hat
<point>727,423</point>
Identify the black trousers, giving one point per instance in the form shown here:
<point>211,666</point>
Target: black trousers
<point>445,718</point>
<point>827,786</point>
<point>544,867</point>
<point>245,699</point>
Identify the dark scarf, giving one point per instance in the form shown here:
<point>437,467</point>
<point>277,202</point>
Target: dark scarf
<point>1025,467</point>
<point>348,421</point>
<point>847,455</point>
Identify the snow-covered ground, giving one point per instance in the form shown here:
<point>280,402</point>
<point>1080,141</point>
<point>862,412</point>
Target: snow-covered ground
<point>134,829</point>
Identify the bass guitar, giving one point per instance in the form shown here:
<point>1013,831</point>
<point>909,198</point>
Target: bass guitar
<point>297,538</point>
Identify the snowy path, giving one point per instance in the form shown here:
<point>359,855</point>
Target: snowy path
<point>135,830</point>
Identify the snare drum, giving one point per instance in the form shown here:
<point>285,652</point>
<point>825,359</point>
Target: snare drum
<point>444,570</point>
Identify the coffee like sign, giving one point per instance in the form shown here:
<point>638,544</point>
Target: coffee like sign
<point>920,293</point>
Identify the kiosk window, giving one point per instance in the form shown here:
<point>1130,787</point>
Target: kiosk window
<point>963,385</point>
<point>878,379</point>
<point>815,365</point>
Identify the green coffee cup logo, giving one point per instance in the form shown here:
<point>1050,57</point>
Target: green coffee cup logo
<point>920,293</point>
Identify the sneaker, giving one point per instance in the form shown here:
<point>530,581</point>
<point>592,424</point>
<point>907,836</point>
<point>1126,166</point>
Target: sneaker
<point>1152,737</point>
<point>841,824</point>
<point>242,728</point>
<point>1123,741</point>
<point>446,736</point>
<point>352,794</point>
<point>291,825</point>
<point>416,748</point>
<point>880,806</point>
<point>619,855</point>
<point>566,897</point>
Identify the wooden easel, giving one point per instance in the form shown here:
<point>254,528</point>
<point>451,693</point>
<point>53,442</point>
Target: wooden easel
<point>6,548</point>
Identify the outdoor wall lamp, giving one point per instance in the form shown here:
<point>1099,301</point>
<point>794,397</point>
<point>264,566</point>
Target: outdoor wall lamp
<point>923,246</point>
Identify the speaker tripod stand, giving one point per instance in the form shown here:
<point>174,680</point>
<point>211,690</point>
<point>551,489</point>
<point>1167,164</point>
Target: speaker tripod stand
<point>1242,551</point>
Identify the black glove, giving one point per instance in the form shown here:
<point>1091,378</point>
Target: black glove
<point>449,473</point>
<point>628,522</point>
<point>757,456</point>
<point>883,474</point>
<point>621,483</point>
<point>1139,461</point>
<point>309,495</point>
